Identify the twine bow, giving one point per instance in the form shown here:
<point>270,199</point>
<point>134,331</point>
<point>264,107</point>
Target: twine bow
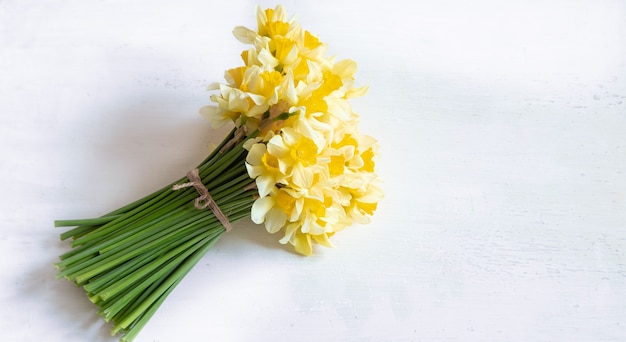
<point>204,200</point>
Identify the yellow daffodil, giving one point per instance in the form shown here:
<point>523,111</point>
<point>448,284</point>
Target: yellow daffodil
<point>314,171</point>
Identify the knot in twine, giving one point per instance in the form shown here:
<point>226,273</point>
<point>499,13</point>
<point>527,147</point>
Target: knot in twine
<point>204,200</point>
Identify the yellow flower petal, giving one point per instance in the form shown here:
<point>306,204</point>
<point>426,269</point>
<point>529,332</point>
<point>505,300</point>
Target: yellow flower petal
<point>337,165</point>
<point>314,171</point>
<point>368,163</point>
<point>303,244</point>
<point>322,239</point>
<point>357,92</point>
<point>304,151</point>
<point>284,201</point>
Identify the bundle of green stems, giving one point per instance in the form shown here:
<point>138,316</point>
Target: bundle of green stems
<point>129,261</point>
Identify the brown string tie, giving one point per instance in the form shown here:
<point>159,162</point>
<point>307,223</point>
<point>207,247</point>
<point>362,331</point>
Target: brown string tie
<point>240,133</point>
<point>204,200</point>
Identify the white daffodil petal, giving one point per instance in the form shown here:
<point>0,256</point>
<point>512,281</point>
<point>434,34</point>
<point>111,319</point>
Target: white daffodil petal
<point>279,14</point>
<point>213,86</point>
<point>244,35</point>
<point>255,154</point>
<point>260,16</point>
<point>265,184</point>
<point>345,68</point>
<point>208,112</point>
<point>339,107</point>
<point>275,220</point>
<point>266,58</point>
<point>254,171</point>
<point>357,92</point>
<point>302,176</point>
<point>277,147</point>
<point>290,230</point>
<point>260,207</point>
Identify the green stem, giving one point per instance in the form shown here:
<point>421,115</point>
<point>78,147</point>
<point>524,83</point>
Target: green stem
<point>129,260</point>
<point>85,222</point>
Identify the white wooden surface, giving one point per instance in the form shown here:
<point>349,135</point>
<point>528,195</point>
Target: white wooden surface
<point>502,125</point>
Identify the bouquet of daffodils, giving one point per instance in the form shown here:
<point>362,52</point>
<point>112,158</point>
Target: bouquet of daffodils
<point>295,162</point>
